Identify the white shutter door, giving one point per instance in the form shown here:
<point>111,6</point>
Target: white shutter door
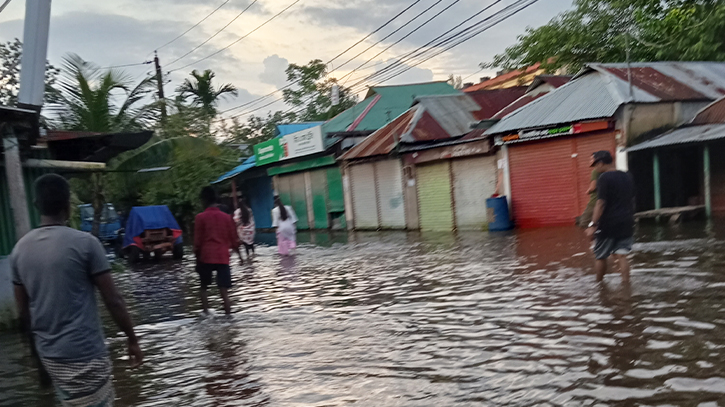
<point>390,194</point>
<point>474,180</point>
<point>365,207</point>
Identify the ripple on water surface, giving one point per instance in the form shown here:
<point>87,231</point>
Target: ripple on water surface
<point>389,319</point>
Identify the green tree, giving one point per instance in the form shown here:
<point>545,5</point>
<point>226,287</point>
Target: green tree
<point>88,94</point>
<point>194,162</point>
<point>203,93</point>
<point>255,130</point>
<point>603,31</point>
<point>11,54</point>
<point>311,95</point>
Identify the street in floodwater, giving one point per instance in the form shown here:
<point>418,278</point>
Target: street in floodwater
<point>404,319</point>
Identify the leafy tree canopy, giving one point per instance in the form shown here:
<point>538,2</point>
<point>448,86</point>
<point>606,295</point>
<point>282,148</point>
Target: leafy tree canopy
<point>603,30</point>
<point>11,53</point>
<point>311,94</point>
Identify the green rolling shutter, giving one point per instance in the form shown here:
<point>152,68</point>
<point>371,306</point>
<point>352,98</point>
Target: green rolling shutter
<point>435,205</point>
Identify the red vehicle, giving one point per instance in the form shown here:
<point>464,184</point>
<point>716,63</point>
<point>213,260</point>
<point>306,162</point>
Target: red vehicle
<point>152,229</point>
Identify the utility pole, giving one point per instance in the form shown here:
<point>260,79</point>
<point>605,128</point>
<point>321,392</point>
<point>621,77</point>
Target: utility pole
<point>30,96</point>
<point>160,83</point>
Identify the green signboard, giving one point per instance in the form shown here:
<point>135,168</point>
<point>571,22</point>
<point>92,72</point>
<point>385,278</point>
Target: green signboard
<point>268,152</point>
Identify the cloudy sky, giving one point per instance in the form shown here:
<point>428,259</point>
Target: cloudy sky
<point>119,32</point>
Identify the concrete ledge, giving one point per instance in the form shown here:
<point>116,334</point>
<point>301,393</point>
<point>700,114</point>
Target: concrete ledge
<point>8,315</point>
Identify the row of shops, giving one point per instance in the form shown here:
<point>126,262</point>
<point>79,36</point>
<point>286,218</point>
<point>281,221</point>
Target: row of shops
<point>427,156</point>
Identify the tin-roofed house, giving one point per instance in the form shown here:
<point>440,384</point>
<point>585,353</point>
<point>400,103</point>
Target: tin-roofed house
<point>547,144</point>
<point>388,191</point>
<point>681,175</point>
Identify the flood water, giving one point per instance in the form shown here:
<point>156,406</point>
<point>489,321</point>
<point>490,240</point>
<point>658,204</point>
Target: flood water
<point>408,319</point>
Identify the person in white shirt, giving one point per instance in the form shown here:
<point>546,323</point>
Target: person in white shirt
<point>285,220</point>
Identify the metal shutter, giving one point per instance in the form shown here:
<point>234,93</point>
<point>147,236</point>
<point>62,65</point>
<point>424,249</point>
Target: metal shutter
<point>298,191</point>
<point>364,203</point>
<point>390,194</point>
<point>474,180</point>
<point>549,178</point>
<point>543,183</point>
<point>435,205</point>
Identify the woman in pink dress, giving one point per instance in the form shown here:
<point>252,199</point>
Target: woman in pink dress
<point>244,218</point>
<point>284,219</point>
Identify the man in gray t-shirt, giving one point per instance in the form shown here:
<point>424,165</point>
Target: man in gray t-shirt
<point>56,270</point>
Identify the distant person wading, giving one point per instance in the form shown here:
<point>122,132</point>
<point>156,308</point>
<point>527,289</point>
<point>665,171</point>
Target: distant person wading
<point>285,220</point>
<point>612,225</point>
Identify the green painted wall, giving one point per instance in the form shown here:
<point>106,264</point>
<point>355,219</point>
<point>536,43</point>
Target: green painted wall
<point>434,197</point>
<point>7,224</point>
<point>318,179</point>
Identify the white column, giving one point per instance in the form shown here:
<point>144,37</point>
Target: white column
<point>35,52</point>
<point>16,186</point>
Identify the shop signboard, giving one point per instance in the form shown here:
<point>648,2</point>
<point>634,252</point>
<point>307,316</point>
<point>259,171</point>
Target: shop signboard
<point>298,144</point>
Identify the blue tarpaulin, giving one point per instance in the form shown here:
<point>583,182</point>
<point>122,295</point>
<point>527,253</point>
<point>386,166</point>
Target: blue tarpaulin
<point>149,217</point>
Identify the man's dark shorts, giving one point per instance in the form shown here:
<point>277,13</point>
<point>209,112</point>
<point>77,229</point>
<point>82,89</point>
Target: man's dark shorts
<point>223,275</point>
<point>607,246</point>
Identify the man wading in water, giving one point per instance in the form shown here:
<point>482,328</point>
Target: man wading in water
<point>56,270</point>
<point>214,234</point>
<point>612,226</point>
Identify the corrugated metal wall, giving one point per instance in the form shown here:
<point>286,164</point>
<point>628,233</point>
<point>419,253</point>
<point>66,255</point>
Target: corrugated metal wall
<point>365,207</point>
<point>391,206</point>
<point>7,223</point>
<point>318,192</point>
<point>434,196</point>
<point>474,180</point>
<point>258,192</point>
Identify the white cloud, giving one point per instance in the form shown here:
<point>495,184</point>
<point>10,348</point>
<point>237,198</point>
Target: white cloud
<point>274,67</point>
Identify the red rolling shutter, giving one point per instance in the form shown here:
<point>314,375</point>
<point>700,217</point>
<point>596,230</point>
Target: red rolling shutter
<point>549,178</point>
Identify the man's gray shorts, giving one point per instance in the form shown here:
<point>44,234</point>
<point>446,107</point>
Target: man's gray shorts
<point>607,246</point>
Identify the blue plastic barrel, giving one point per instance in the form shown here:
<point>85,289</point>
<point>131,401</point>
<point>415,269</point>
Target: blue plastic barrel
<point>498,214</point>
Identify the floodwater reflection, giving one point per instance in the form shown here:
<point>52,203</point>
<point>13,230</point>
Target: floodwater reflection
<point>422,319</point>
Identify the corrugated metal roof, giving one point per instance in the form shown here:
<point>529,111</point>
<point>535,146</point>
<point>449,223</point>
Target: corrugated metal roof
<point>393,101</point>
<point>673,80</point>
<point>290,128</point>
<point>712,113</point>
<point>452,114</point>
<point>600,89</point>
<point>247,164</point>
<point>491,101</point>
<point>585,98</point>
<point>684,135</point>
<point>503,78</point>
<point>382,141</point>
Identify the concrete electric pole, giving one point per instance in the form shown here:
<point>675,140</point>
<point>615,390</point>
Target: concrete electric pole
<point>160,83</point>
<point>32,88</point>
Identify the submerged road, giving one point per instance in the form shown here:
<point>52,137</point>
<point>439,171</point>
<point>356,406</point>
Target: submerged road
<point>409,319</point>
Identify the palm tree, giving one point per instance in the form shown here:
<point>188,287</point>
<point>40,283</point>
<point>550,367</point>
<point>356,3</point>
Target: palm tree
<point>88,95</point>
<point>87,102</point>
<point>204,95</point>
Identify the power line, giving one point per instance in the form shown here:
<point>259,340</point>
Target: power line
<point>351,59</point>
<point>392,33</point>
<point>404,37</point>
<point>193,26</point>
<point>417,52</point>
<point>469,37</point>
<point>127,65</point>
<point>237,40</point>
<point>421,51</point>
<point>327,63</point>
<point>214,35</point>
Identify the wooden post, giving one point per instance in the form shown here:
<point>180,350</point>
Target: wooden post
<point>656,173</point>
<point>16,186</point>
<point>706,167</point>
<point>234,194</point>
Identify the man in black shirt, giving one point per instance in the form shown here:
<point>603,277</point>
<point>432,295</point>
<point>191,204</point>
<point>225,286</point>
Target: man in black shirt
<point>612,225</point>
